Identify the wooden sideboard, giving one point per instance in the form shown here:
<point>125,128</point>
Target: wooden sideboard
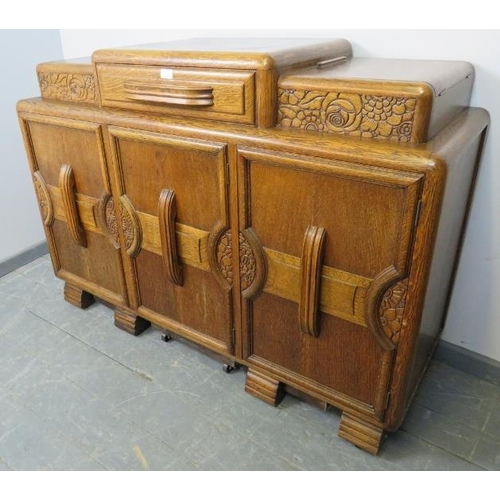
<point>292,209</point>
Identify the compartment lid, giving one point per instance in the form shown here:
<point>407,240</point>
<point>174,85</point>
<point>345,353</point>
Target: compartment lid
<point>439,75</point>
<point>230,53</point>
<point>389,99</point>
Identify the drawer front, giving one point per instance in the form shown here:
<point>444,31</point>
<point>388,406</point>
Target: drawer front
<point>207,94</point>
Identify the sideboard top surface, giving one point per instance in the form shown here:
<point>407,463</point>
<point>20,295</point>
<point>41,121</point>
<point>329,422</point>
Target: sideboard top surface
<point>439,75</point>
<point>251,53</point>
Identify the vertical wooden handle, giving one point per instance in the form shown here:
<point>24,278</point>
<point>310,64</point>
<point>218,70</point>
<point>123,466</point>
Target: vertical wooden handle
<point>68,194</point>
<point>167,213</point>
<point>310,278</point>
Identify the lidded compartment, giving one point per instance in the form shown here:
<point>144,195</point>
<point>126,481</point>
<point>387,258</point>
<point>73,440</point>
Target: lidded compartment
<point>230,80</point>
<point>392,99</point>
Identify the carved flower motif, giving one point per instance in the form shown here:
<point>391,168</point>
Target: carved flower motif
<point>341,112</point>
<point>307,120</point>
<point>382,107</point>
<point>383,116</point>
<point>313,121</point>
<point>77,87</point>
<point>405,129</point>
<point>291,96</point>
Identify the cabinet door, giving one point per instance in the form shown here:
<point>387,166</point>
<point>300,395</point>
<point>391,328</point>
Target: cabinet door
<point>173,195</point>
<point>69,172</point>
<point>329,240</point>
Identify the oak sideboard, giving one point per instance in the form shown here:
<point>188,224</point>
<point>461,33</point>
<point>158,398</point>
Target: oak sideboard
<point>293,209</point>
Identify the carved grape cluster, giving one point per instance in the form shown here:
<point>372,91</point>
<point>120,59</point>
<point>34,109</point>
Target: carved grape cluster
<point>347,113</point>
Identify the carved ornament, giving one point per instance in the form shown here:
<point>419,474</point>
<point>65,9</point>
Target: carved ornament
<point>129,222</point>
<point>67,87</point>
<point>44,200</point>
<point>392,308</point>
<point>382,117</point>
<point>248,264</point>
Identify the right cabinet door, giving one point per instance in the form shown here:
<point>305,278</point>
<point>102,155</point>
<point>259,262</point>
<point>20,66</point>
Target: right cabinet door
<point>330,243</point>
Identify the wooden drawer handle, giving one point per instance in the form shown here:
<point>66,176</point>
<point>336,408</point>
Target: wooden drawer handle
<point>310,278</point>
<point>167,213</point>
<point>171,92</point>
<point>68,195</point>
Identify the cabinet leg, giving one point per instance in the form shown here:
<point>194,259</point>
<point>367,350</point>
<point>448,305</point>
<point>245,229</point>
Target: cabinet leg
<point>263,387</point>
<point>78,297</point>
<point>129,321</point>
<point>364,435</point>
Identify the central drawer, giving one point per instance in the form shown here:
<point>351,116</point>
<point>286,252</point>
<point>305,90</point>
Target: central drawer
<point>195,92</point>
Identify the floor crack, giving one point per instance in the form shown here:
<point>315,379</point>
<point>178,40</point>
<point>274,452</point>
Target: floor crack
<point>136,371</point>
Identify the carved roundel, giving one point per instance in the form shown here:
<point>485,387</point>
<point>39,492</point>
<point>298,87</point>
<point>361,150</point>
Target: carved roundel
<point>248,262</point>
<point>391,310</point>
<point>248,265</point>
<point>110,218</point>
<point>132,231</point>
<point>44,200</point>
<point>129,223</point>
<point>225,257</point>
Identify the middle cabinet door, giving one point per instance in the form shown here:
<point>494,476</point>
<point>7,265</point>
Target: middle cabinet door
<point>171,197</point>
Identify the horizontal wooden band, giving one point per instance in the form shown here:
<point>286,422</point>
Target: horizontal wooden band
<point>192,242</point>
<point>85,205</point>
<point>342,294</point>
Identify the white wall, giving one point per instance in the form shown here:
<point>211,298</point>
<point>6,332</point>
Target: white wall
<point>474,315</point>
<point>20,51</point>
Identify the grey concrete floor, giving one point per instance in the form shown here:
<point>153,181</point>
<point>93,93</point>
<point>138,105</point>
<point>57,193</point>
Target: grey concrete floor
<point>76,393</point>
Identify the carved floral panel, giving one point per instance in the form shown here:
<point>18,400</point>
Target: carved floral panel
<point>67,87</point>
<point>248,265</point>
<point>129,225</point>
<point>381,117</point>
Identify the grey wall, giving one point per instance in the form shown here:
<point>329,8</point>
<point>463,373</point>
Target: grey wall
<point>20,52</point>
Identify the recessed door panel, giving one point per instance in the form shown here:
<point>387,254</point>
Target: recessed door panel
<point>174,191</point>
<point>71,181</point>
<point>335,237</point>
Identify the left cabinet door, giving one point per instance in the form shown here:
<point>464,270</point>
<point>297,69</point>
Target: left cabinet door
<point>68,166</point>
<point>173,197</point>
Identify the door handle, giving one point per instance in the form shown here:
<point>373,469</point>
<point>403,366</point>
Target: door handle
<point>167,213</point>
<point>68,195</point>
<point>310,277</point>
